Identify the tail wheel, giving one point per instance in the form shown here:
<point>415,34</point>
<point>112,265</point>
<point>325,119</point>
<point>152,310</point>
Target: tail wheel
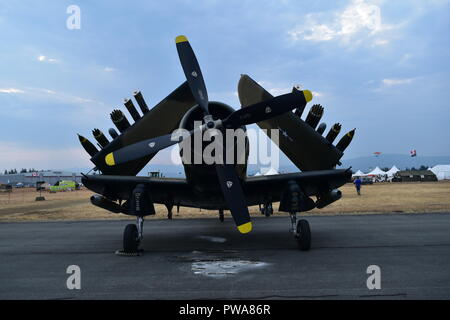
<point>130,239</point>
<point>303,235</point>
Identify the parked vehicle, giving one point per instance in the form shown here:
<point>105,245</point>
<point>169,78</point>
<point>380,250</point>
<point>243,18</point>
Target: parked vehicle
<point>64,185</point>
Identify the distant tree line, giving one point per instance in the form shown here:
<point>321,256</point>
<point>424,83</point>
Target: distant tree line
<point>422,167</point>
<point>23,170</point>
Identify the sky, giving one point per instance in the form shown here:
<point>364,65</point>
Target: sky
<point>379,66</point>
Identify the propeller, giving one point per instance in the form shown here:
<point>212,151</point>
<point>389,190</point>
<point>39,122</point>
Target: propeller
<point>141,149</point>
<point>192,72</point>
<point>228,178</point>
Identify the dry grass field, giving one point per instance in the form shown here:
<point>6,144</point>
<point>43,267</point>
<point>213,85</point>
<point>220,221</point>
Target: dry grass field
<point>20,205</point>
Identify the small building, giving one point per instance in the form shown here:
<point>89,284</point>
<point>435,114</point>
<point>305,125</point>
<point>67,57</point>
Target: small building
<point>30,178</point>
<point>155,174</point>
<point>414,176</point>
<point>441,171</point>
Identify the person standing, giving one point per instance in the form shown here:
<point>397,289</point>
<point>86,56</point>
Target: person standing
<point>358,183</point>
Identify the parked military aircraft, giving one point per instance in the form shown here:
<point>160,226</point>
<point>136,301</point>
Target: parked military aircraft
<point>217,186</point>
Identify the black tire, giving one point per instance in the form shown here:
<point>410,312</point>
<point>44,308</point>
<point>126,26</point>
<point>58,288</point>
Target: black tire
<point>303,235</point>
<point>221,216</point>
<point>130,239</point>
<point>268,210</point>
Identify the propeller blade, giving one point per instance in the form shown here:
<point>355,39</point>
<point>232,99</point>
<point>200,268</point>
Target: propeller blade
<point>192,72</point>
<point>267,109</point>
<point>234,196</point>
<point>143,148</point>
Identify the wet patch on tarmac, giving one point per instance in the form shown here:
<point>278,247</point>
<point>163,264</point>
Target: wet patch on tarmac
<point>223,268</point>
<point>220,263</point>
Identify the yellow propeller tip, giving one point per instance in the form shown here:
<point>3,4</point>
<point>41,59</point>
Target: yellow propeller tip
<point>181,39</point>
<point>109,159</point>
<point>308,95</point>
<point>245,228</point>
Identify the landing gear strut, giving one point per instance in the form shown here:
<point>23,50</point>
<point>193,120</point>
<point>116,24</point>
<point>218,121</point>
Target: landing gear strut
<point>301,231</point>
<point>132,236</point>
<point>221,216</point>
<point>169,207</point>
<point>266,209</point>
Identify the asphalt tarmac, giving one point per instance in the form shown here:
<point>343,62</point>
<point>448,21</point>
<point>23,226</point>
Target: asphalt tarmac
<point>206,259</point>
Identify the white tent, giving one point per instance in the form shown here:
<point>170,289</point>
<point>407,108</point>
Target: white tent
<point>271,172</point>
<point>358,173</point>
<point>376,172</point>
<point>442,171</point>
<point>392,171</point>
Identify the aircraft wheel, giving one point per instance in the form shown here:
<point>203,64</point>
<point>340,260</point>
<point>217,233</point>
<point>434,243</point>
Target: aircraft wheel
<point>221,216</point>
<point>130,239</point>
<point>303,235</point>
<point>267,210</point>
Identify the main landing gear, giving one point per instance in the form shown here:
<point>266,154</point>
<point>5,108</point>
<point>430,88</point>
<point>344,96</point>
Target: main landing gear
<point>266,209</point>
<point>169,207</point>
<point>301,231</point>
<point>132,236</point>
<point>221,216</point>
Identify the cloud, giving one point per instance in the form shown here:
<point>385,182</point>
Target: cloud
<point>42,58</point>
<point>274,89</point>
<point>316,33</point>
<point>277,90</point>
<point>43,93</point>
<point>317,94</point>
<point>405,58</point>
<point>109,69</point>
<point>396,82</point>
<point>380,42</point>
<point>11,90</point>
<point>76,108</point>
<point>17,155</point>
<point>389,83</point>
<point>360,20</point>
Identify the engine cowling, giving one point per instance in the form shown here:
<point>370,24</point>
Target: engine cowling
<point>203,176</point>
